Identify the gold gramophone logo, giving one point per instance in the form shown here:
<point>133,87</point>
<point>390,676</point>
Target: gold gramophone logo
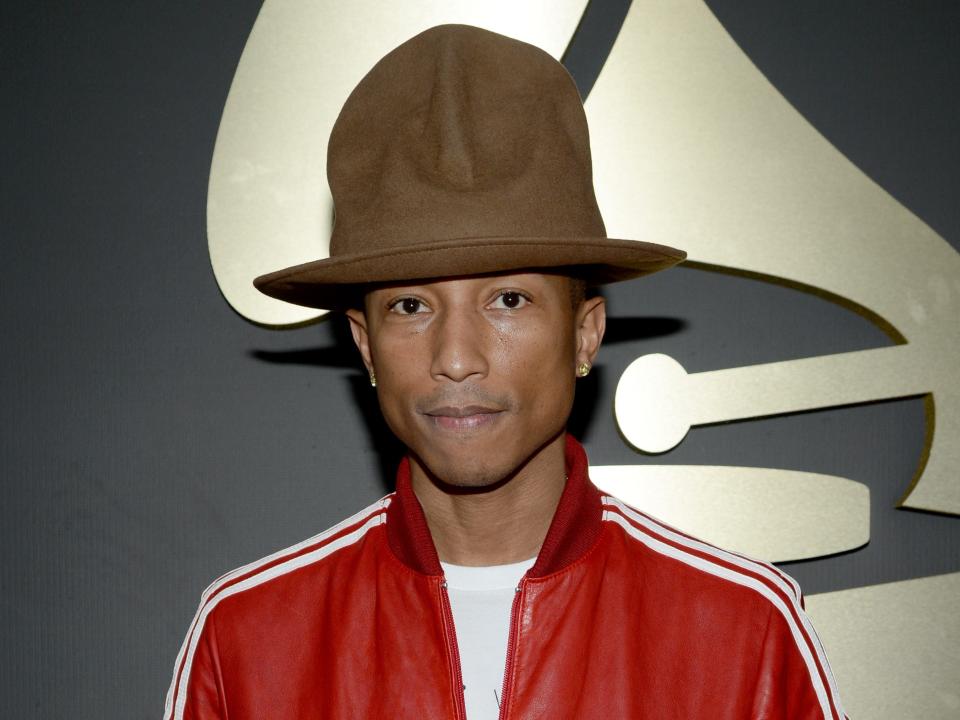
<point>707,153</point>
<point>691,145</point>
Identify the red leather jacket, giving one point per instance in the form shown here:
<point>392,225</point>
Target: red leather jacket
<point>619,617</point>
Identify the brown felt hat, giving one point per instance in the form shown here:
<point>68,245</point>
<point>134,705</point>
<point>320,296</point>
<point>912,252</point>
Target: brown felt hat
<point>461,152</point>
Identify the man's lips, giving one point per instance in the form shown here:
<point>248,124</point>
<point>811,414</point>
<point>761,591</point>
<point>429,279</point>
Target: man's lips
<point>461,412</point>
<point>468,417</point>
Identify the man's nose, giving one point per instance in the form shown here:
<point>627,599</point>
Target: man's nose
<point>459,342</point>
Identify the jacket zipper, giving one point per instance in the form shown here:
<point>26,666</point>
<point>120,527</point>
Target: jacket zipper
<point>511,649</point>
<point>451,633</point>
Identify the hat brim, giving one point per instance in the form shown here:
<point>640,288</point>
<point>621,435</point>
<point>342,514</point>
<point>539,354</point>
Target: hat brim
<point>337,283</point>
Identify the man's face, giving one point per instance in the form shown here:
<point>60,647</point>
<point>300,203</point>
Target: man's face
<point>476,374</point>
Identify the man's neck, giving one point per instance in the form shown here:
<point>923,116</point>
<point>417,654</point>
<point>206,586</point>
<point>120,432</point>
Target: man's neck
<point>506,524</point>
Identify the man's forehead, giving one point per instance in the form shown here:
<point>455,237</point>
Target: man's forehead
<point>458,281</point>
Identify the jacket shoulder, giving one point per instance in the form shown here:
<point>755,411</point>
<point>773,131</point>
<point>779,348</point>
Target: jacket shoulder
<point>747,601</point>
<point>262,590</point>
<point>689,556</point>
<point>276,573</point>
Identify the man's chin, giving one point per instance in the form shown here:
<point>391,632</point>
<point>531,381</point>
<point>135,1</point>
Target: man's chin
<point>458,474</point>
<point>473,463</point>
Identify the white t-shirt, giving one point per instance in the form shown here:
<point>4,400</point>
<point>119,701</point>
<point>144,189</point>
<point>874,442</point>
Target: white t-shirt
<point>481,599</point>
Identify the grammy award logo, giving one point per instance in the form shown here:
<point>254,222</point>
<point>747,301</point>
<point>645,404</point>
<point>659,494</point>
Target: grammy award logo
<point>690,143</point>
<point>761,193</point>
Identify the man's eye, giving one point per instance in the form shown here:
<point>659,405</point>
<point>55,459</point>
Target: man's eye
<point>510,300</point>
<point>407,306</point>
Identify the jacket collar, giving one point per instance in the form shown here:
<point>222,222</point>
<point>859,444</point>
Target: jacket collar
<point>573,530</point>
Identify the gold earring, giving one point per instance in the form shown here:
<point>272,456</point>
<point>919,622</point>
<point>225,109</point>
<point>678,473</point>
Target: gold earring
<point>583,369</point>
<point>373,379</point>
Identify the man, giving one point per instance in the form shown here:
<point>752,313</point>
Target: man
<point>496,581</point>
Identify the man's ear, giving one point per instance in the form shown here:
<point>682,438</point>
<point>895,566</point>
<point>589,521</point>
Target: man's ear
<point>591,322</point>
<point>361,338</point>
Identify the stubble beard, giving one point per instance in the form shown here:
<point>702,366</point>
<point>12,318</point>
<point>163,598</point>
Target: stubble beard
<point>480,474</point>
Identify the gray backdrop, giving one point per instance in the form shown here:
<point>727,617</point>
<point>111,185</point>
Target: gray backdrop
<point>152,439</point>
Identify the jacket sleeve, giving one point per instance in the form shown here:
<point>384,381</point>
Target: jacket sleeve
<point>794,680</point>
<point>196,691</point>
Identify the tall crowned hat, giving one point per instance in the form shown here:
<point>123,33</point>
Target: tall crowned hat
<point>461,152</point>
